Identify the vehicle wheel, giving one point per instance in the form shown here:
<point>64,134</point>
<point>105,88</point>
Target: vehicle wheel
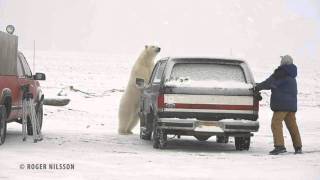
<point>39,112</point>
<point>3,126</point>
<point>163,139</point>
<point>156,139</point>
<point>159,138</point>
<point>222,139</point>
<point>202,138</point>
<point>242,143</point>
<point>145,135</point>
<point>145,131</point>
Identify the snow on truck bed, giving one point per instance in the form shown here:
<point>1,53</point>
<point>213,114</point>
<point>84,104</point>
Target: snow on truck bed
<point>85,132</point>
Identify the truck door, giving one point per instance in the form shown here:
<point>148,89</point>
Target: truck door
<point>149,95</point>
<point>153,87</point>
<point>146,93</point>
<point>26,78</point>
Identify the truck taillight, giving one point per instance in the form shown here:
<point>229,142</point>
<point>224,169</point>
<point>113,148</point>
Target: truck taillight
<point>160,101</point>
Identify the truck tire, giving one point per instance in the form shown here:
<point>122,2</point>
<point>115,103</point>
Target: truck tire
<point>163,140</point>
<point>3,125</point>
<point>222,139</point>
<point>39,112</point>
<point>202,138</point>
<point>156,139</point>
<point>242,143</point>
<point>144,134</point>
<point>159,138</point>
<point>145,131</point>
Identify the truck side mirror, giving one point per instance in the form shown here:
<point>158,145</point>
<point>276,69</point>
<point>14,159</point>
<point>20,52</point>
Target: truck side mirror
<point>39,76</point>
<point>140,83</point>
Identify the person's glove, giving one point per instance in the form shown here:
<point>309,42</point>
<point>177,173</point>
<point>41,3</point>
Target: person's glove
<point>257,95</point>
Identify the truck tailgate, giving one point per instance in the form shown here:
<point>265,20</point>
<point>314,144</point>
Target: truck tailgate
<point>209,103</point>
<point>210,106</point>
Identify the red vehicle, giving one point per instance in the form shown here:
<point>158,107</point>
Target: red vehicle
<point>15,73</point>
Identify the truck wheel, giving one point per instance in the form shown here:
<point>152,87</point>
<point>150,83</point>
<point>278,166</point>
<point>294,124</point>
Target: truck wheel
<point>159,138</point>
<point>222,139</point>
<point>3,126</point>
<point>144,134</point>
<point>145,131</point>
<point>156,139</point>
<point>202,138</point>
<point>163,139</point>
<point>242,143</point>
<point>39,112</point>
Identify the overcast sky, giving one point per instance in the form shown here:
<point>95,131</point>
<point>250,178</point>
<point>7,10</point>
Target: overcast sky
<point>248,28</point>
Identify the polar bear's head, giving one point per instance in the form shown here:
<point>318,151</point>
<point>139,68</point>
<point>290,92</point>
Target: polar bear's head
<point>148,55</point>
<point>152,50</point>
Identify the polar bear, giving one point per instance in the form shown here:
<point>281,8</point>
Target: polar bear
<point>129,103</point>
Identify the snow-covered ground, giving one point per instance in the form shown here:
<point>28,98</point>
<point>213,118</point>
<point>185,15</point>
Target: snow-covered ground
<point>84,133</point>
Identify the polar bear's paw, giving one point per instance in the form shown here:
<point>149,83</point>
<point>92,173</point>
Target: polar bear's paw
<point>125,132</point>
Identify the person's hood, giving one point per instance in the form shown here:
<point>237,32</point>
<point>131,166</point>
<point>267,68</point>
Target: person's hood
<point>291,69</point>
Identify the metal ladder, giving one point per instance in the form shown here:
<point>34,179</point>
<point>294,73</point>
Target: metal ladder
<point>28,110</point>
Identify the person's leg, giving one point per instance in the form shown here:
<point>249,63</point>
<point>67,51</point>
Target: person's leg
<point>276,126</point>
<point>291,124</point>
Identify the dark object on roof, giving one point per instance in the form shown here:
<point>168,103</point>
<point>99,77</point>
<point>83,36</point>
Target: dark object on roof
<point>8,54</point>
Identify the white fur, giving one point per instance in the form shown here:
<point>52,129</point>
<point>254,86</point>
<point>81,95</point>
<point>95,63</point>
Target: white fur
<point>129,104</point>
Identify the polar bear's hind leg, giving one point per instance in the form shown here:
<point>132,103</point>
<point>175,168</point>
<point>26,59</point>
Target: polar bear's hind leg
<point>133,121</point>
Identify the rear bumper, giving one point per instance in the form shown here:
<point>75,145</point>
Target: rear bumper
<point>204,116</point>
<point>214,127</point>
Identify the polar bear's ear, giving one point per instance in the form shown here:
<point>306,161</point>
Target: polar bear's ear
<point>146,46</point>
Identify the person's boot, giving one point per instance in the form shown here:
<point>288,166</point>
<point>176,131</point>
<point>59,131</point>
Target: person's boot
<point>277,150</point>
<point>297,150</point>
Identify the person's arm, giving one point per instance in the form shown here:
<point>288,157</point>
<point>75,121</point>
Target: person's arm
<point>277,78</point>
<point>266,84</point>
<point>270,83</point>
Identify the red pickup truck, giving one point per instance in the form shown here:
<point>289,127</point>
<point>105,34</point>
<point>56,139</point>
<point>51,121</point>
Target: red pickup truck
<point>15,73</point>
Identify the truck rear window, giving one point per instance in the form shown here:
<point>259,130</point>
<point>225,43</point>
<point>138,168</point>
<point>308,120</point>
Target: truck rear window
<point>208,72</point>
